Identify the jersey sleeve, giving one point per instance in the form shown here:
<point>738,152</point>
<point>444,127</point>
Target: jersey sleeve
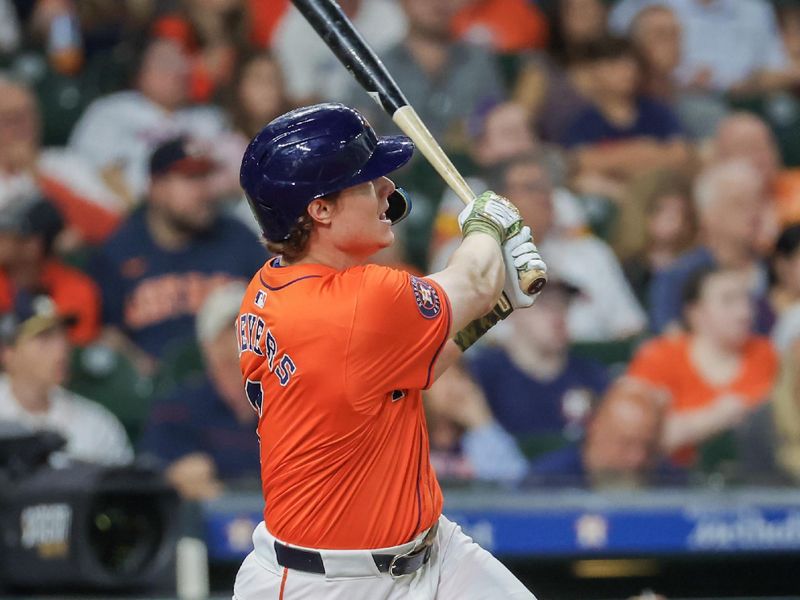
<point>400,324</point>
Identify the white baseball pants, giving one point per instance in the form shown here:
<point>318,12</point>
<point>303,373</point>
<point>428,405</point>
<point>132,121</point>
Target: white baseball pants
<point>459,569</point>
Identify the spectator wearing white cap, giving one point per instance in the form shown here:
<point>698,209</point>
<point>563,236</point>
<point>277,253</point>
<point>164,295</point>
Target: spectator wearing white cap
<point>35,353</point>
<point>202,431</point>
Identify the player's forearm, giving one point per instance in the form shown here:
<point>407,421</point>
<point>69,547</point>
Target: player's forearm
<point>473,279</point>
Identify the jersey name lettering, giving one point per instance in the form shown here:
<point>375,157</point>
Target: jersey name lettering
<point>252,338</point>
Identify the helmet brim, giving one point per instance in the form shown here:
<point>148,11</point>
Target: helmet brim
<point>391,153</point>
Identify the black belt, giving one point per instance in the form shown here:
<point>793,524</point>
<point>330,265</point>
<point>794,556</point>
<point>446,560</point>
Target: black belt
<point>394,564</point>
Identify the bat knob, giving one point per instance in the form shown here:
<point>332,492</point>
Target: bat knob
<point>533,281</point>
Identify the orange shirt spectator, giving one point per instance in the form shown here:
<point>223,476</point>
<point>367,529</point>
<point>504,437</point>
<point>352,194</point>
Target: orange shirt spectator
<point>74,294</point>
<point>786,190</point>
<point>717,371</point>
<point>505,25</point>
<point>667,362</point>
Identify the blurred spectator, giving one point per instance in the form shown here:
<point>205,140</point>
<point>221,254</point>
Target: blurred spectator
<point>157,269</point>
<point>503,25</point>
<point>535,387</point>
<point>204,430</point>
<point>715,372</point>
<point>35,354</point>
<point>745,136</point>
<point>212,34</point>
<point>466,441</point>
<point>622,447</point>
<point>655,225</point>
<point>607,308</point>
<point>118,132</point>
<point>786,413</point>
<point>784,293</point>
<point>313,73</point>
<point>92,210</point>
<point>553,86</point>
<point>788,14</point>
<point>656,35</point>
<point>623,132</point>
<point>442,78</point>
<point>728,45</point>
<point>9,28</point>
<point>256,96</point>
<point>728,200</point>
<point>29,229</point>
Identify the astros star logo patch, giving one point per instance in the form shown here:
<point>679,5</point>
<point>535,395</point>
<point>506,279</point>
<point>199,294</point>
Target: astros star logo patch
<point>427,298</point>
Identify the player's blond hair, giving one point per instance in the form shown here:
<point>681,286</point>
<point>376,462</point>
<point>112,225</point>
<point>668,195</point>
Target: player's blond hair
<point>295,247</point>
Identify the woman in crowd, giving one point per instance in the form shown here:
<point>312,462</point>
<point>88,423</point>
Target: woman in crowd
<point>656,223</point>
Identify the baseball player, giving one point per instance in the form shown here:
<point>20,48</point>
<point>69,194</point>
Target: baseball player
<point>334,353</point>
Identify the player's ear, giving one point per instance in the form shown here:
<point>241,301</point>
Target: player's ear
<point>321,210</point>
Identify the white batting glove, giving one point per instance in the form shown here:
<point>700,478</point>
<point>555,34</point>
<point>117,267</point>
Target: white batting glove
<point>490,213</point>
<point>520,254</point>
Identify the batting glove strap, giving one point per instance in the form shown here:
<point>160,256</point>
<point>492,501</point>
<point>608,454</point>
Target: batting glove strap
<point>520,255</point>
<point>490,213</point>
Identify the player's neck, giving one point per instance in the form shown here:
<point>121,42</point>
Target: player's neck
<point>330,257</point>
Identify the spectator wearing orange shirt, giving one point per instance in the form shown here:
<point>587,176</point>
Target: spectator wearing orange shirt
<point>505,25</point>
<point>28,231</point>
<point>717,371</point>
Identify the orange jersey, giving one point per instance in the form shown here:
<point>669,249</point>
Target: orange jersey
<point>334,362</point>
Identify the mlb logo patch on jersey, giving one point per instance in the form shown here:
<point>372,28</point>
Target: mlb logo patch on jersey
<point>260,299</point>
<point>427,298</point>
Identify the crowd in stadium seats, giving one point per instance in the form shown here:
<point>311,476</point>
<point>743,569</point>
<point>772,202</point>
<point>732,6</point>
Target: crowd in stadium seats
<point>651,146</point>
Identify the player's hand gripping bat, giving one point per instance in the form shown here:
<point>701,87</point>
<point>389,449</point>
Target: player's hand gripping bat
<point>338,33</point>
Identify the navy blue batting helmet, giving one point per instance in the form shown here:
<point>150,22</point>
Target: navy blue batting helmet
<point>311,152</point>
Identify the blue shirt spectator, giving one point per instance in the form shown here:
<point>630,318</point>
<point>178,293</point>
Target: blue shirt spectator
<point>193,418</point>
<point>536,389</point>
<point>653,119</point>
<point>526,405</point>
<point>204,431</point>
<point>157,269</point>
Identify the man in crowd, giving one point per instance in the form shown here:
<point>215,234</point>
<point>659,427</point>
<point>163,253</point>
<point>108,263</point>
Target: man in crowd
<point>311,70</point>
<point>729,46</point>
<point>157,269</point>
<point>730,203</point>
<point>536,388</point>
<point>35,353</point>
<point>118,132</point>
<point>202,431</point>
<point>29,228</point>
<point>466,440</point>
<point>443,79</point>
<point>622,444</point>
<point>607,308</point>
<point>90,207</point>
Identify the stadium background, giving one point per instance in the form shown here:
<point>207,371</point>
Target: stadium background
<point>637,434</point>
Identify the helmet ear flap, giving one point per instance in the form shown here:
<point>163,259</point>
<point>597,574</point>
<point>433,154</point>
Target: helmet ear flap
<point>399,206</point>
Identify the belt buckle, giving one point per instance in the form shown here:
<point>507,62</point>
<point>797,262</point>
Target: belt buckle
<point>394,560</point>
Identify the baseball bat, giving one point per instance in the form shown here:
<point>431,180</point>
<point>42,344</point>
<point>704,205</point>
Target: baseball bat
<point>339,34</point>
